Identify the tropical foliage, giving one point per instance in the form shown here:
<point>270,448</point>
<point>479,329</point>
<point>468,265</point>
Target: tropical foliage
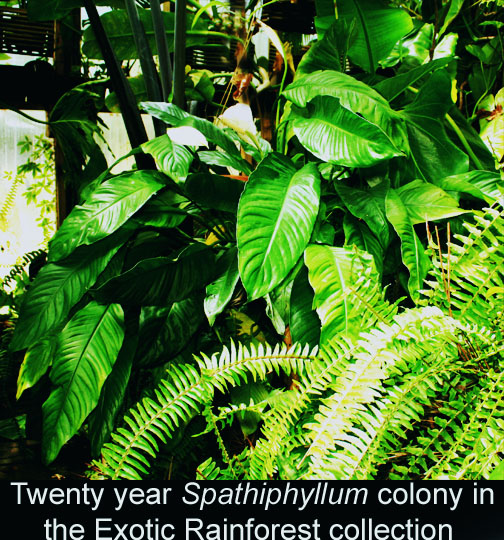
<point>336,315</point>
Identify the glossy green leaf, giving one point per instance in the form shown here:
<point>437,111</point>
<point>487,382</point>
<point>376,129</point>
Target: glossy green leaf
<point>276,215</point>
<point>220,291</point>
<point>378,28</point>
<point>427,202</point>
<point>304,323</point>
<point>432,152</point>
<point>162,280</point>
<point>87,349</point>
<point>331,51</point>
<point>163,210</point>
<point>354,95</point>
<point>102,419</point>
<point>59,286</point>
<point>412,250</point>
<point>118,29</point>
<point>171,158</point>
<point>164,332</point>
<point>368,205</point>
<point>392,87</point>
<point>214,191</point>
<point>109,206</point>
<point>37,360</point>
<point>480,184</point>
<point>334,134</point>
<point>333,273</point>
<point>174,116</point>
<point>358,234</point>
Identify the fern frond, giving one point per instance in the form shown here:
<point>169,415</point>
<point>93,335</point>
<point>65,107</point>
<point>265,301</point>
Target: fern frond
<point>461,280</point>
<point>278,422</point>
<point>183,395</point>
<point>412,335</point>
<point>468,436</point>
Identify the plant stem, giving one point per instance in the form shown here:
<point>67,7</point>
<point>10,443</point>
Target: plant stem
<point>162,48</point>
<point>179,54</point>
<point>131,115</point>
<point>150,74</point>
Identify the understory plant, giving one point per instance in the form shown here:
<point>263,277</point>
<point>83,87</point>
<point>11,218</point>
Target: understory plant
<point>307,322</point>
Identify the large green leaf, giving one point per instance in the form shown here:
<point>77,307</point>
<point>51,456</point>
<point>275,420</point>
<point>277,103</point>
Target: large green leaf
<point>334,134</point>
<point>392,87</point>
<point>412,250</point>
<point>481,184</point>
<point>358,234</point>
<point>37,360</point>
<point>171,158</point>
<point>87,349</point>
<point>59,286</point>
<point>378,28</point>
<point>220,291</point>
<point>102,420</point>
<point>368,205</point>
<point>331,51</point>
<point>304,323</point>
<point>354,95</point>
<point>214,191</point>
<point>336,274</point>
<point>162,280</point>
<point>432,152</point>
<point>427,202</point>
<point>163,210</point>
<point>276,215</point>
<point>118,29</point>
<point>164,332</point>
<point>108,207</point>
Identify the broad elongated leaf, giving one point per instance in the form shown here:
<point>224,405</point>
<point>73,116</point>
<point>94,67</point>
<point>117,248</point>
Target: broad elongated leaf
<point>118,29</point>
<point>214,157</point>
<point>480,184</point>
<point>220,291</point>
<point>412,250</point>
<point>433,153</point>
<point>164,332</point>
<point>174,116</point>
<point>331,51</point>
<point>333,133</point>
<point>37,360</point>
<point>335,275</point>
<point>108,207</point>
<point>392,87</point>
<point>163,210</point>
<point>87,349</point>
<point>378,28</point>
<point>101,420</point>
<point>304,323</point>
<point>426,202</point>
<point>162,280</point>
<point>276,215</point>
<point>59,286</point>
<point>358,234</point>
<point>353,95</point>
<point>368,205</point>
<point>214,191</point>
<point>171,158</point>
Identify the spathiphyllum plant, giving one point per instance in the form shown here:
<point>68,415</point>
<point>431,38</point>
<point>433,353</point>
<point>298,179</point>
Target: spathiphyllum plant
<point>336,315</point>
